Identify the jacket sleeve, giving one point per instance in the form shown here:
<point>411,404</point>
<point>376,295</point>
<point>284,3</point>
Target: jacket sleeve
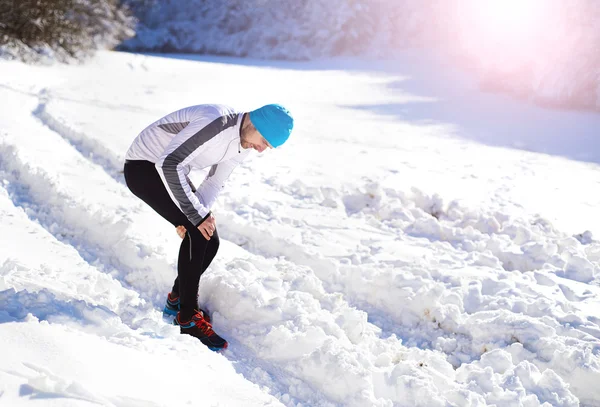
<point>172,166</point>
<point>214,182</point>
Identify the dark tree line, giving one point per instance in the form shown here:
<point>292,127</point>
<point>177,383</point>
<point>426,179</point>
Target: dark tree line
<point>69,28</point>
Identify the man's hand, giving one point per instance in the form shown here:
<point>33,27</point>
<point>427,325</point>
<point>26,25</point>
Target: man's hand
<point>208,227</point>
<point>181,231</point>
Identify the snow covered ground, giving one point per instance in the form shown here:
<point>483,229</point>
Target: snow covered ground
<point>415,243</point>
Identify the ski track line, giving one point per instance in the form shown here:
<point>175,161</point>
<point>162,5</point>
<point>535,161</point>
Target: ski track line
<point>63,221</point>
<point>95,286</point>
<point>92,248</point>
<point>89,148</point>
<point>21,198</point>
<point>102,312</point>
<point>74,309</point>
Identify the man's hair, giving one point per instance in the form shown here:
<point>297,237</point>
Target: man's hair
<point>247,126</point>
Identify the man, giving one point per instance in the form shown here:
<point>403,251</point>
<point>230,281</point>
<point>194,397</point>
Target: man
<point>156,170</point>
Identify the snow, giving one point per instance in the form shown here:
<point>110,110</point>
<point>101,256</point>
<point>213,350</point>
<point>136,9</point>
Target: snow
<point>415,243</point>
<point>544,51</point>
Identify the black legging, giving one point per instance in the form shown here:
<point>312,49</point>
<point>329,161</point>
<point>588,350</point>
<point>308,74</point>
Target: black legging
<point>195,253</point>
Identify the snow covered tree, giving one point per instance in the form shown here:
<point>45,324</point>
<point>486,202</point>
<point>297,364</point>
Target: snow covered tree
<point>561,67</point>
<point>67,28</point>
<point>285,29</point>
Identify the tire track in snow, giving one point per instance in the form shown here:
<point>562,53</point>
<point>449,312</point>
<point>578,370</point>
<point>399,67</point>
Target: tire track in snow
<point>32,190</point>
<point>91,149</point>
<point>68,289</point>
<point>73,220</point>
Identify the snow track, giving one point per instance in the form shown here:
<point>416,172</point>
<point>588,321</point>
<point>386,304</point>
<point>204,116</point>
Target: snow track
<point>89,148</point>
<point>98,317</point>
<point>68,205</point>
<point>64,211</point>
<point>322,332</point>
<point>331,294</point>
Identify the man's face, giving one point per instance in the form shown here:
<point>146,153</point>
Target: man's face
<point>253,139</point>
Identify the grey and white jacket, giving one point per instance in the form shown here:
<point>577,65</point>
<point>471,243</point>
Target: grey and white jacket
<point>194,137</point>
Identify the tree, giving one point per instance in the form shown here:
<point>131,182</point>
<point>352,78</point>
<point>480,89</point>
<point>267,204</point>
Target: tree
<point>69,28</point>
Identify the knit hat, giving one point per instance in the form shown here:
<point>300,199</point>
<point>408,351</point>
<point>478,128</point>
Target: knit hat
<point>274,122</point>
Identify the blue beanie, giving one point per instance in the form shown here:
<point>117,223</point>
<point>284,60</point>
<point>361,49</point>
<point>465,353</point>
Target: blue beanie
<point>274,122</point>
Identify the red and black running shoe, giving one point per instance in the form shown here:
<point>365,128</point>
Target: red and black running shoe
<point>199,328</point>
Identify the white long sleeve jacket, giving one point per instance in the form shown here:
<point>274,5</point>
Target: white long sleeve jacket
<point>194,137</point>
